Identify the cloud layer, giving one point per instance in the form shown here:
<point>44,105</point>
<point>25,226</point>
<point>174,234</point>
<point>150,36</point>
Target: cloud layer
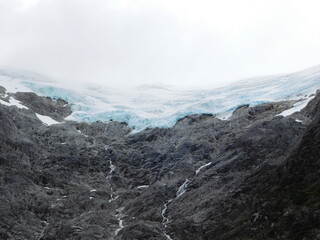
<point>184,43</point>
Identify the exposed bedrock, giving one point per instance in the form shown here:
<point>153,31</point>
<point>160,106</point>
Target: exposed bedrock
<point>254,176</point>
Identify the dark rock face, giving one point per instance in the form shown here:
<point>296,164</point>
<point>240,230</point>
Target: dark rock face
<point>255,176</point>
<point>57,110</point>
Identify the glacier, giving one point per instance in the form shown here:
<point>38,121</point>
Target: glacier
<point>151,106</point>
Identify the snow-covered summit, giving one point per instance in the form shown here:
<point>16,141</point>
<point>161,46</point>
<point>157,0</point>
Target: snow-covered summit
<point>150,106</point>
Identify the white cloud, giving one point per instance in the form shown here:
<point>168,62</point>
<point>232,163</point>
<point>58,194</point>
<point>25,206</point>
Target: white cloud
<point>178,42</point>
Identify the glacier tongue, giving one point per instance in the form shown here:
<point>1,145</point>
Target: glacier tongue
<point>162,107</point>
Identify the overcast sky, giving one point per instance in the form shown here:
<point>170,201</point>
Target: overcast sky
<point>173,42</point>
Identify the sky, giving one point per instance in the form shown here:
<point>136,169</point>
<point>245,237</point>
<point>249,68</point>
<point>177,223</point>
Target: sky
<point>184,43</point>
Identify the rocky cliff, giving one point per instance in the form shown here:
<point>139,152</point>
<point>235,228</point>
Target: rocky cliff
<point>254,176</point>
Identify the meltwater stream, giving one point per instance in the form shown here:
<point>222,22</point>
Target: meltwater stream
<point>114,196</point>
<point>119,216</point>
<point>181,190</point>
<point>43,230</point>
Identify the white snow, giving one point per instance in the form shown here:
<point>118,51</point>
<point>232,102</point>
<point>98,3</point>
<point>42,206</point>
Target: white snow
<point>13,102</point>
<point>82,133</point>
<point>296,107</point>
<point>13,85</point>
<point>46,120</point>
<point>5,103</point>
<point>143,186</point>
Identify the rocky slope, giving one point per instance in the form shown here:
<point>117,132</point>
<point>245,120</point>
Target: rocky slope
<point>254,176</point>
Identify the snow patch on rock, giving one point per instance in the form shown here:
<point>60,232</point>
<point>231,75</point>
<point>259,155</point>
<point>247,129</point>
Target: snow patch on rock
<point>46,120</point>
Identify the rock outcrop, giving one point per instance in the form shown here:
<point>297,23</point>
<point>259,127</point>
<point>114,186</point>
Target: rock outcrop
<point>254,176</point>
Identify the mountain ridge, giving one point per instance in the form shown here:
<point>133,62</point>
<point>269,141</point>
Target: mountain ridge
<point>203,178</point>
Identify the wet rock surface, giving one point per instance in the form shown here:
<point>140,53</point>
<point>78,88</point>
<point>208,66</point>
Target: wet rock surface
<point>255,176</point>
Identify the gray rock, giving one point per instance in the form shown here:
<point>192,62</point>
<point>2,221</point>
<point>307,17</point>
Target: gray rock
<point>255,176</point>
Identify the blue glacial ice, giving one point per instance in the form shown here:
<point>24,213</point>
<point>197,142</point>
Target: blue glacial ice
<point>147,107</point>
